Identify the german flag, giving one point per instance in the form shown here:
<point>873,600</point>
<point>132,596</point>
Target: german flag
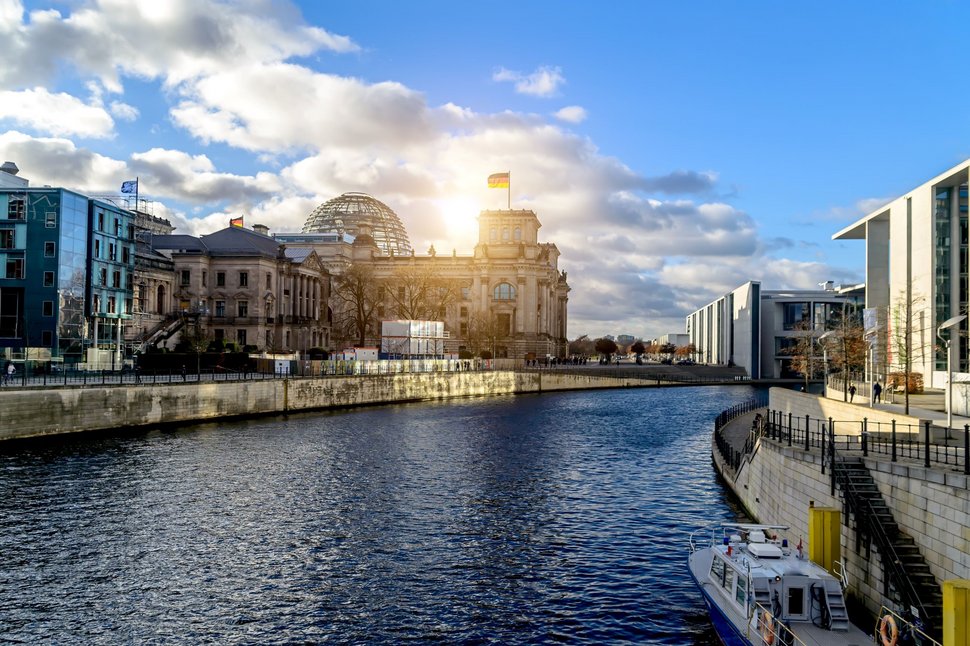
<point>498,180</point>
<point>236,222</point>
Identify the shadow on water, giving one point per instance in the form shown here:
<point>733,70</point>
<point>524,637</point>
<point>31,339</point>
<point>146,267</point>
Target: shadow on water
<point>552,518</point>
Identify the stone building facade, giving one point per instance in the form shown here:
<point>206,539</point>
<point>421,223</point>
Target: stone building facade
<point>241,286</point>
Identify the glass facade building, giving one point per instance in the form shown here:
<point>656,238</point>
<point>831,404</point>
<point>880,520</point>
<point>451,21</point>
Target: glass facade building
<point>68,265</point>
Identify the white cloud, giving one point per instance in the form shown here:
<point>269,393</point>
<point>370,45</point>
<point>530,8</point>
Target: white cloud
<point>56,114</point>
<point>544,82</point>
<point>124,111</point>
<point>571,114</point>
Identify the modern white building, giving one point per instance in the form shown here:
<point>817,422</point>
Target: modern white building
<point>754,328</point>
<point>916,274</point>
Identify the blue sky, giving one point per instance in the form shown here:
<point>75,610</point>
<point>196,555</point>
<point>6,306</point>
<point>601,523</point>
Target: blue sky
<point>672,151</point>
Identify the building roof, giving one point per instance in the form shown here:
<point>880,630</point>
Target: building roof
<point>857,230</point>
<point>298,254</point>
<point>237,241</point>
<point>179,243</point>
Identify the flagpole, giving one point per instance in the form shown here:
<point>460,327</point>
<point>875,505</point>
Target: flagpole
<point>136,195</point>
<point>510,190</point>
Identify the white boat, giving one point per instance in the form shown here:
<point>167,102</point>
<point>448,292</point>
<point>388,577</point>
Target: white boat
<point>760,590</point>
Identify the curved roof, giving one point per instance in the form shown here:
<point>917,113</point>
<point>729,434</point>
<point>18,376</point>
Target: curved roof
<point>360,214</point>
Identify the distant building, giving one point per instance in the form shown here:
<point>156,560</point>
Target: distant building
<point>68,269</point>
<point>754,328</point>
<point>677,340</point>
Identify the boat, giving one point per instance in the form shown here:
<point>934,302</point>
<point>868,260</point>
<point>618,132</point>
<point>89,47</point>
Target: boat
<point>760,590</point>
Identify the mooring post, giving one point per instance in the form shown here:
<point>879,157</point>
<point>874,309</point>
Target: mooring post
<point>808,442</point>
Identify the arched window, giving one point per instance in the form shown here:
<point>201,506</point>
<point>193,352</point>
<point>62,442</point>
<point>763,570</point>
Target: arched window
<point>505,234</point>
<point>504,292</point>
<point>493,234</point>
<point>518,234</point>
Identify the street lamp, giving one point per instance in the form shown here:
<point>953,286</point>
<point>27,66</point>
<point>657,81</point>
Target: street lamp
<point>825,361</point>
<point>947,325</point>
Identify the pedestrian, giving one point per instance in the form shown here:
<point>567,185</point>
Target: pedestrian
<point>183,372</point>
<point>876,391</point>
<point>11,369</point>
<point>851,393</point>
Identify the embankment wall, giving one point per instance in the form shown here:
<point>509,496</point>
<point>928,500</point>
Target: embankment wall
<point>33,412</point>
<point>779,483</point>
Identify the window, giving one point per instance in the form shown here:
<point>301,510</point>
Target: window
<point>241,337</point>
<point>463,329</point>
<point>103,276</point>
<point>17,208</point>
<point>96,304</point>
<point>463,312</point>
<point>129,306</point>
<point>505,234</point>
<point>492,234</point>
<point>741,594</point>
<point>50,219</point>
<point>100,221</point>
<point>205,276</point>
<point>111,304</point>
<point>46,338</point>
<point>15,267</point>
<point>517,234</point>
<point>220,308</point>
<point>504,292</point>
<point>796,602</point>
<point>97,248</point>
<point>49,249</point>
<point>125,255</point>
<point>220,279</point>
<point>131,232</point>
<point>717,571</point>
<point>186,278</point>
<point>48,279</point>
<point>116,279</point>
<point>244,279</point>
<point>48,308</point>
<point>112,251</point>
<point>269,280</point>
<point>795,315</point>
<point>503,322</point>
<point>242,308</point>
<point>6,239</point>
<point>117,227</point>
<point>466,293</point>
<point>219,334</point>
<point>129,283</point>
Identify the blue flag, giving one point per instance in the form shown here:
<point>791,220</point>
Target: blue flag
<point>131,186</point>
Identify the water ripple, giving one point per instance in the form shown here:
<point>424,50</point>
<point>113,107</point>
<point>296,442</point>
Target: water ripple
<point>539,519</point>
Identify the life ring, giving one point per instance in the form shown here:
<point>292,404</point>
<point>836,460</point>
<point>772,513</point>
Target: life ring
<point>767,628</point>
<point>888,631</point>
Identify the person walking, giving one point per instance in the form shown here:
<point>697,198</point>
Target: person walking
<point>851,393</point>
<point>11,369</point>
<point>876,391</point>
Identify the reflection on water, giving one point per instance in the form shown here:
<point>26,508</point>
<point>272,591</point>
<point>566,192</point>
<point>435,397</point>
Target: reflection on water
<point>553,518</point>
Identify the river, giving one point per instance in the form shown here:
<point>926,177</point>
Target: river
<point>531,519</point>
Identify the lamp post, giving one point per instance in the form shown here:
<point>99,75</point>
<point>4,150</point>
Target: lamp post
<point>948,324</point>
<point>825,361</point>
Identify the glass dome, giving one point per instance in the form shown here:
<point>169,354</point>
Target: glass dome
<point>357,214</point>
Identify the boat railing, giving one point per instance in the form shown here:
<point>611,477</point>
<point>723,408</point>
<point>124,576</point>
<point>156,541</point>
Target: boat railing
<point>840,574</point>
<point>889,621</point>
<point>772,629</point>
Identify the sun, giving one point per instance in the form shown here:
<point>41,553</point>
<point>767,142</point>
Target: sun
<point>460,215</point>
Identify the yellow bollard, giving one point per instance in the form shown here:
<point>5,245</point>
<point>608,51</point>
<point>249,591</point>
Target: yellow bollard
<point>956,612</point>
<point>825,536</point>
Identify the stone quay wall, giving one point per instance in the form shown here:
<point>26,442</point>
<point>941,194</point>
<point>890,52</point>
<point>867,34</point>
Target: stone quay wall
<point>34,412</point>
<point>778,484</point>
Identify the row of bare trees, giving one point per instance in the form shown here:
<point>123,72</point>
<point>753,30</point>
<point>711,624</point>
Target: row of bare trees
<point>410,293</point>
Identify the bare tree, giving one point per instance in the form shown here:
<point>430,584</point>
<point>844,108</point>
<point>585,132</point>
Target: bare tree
<point>802,351</point>
<point>846,346</point>
<point>582,346</point>
<point>909,316</point>
<point>484,333</point>
<point>417,293</point>
<point>356,293</point>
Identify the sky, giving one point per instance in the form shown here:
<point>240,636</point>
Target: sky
<point>672,151</point>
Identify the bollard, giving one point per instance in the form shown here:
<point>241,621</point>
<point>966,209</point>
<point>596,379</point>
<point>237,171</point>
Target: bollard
<point>926,444</point>
<point>808,440</point>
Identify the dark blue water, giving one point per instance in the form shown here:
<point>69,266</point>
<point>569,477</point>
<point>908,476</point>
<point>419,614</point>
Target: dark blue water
<point>553,518</point>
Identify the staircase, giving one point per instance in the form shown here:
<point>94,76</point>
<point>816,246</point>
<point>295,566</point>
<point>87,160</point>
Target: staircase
<point>162,332</point>
<point>907,577</point>
<point>838,613</point>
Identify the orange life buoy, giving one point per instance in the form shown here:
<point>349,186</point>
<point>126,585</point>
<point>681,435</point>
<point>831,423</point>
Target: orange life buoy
<point>767,628</point>
<point>888,631</point>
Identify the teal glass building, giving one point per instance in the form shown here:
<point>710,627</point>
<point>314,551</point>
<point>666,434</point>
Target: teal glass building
<point>66,276</point>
